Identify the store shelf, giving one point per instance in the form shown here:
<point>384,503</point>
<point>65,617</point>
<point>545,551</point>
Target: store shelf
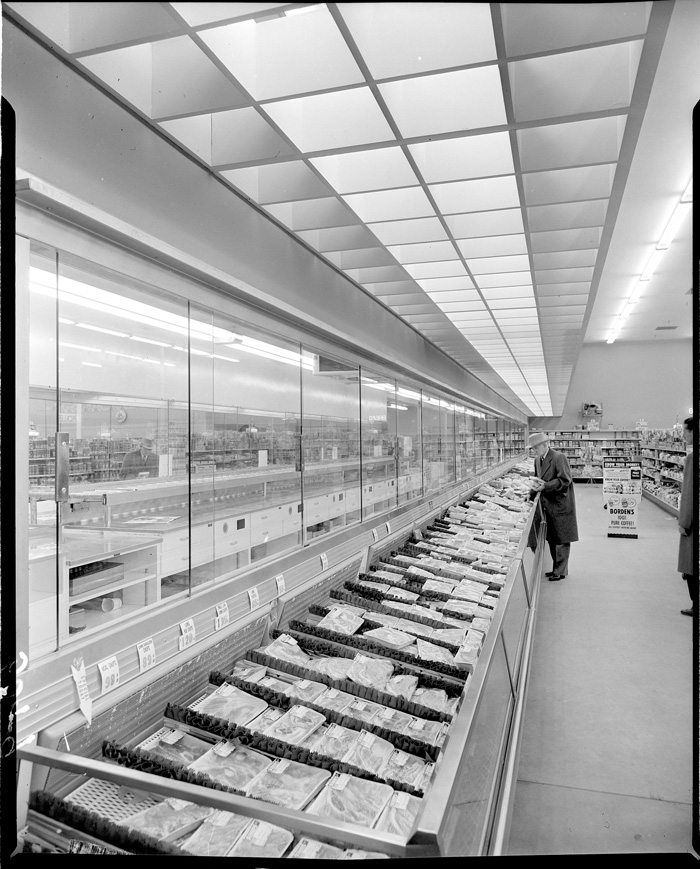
<point>669,508</point>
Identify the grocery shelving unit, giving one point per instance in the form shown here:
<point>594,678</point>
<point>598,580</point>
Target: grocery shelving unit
<point>662,472</point>
<point>586,450</point>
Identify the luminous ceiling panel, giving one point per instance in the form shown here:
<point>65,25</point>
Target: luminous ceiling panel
<point>418,253</point>
<point>478,195</point>
<point>442,285</point>
<point>564,259</point>
<point>566,185</point>
<point>384,205</point>
<point>208,13</point>
<point>312,214</point>
<point>465,157</point>
<point>485,223</point>
<point>567,215</point>
<point>409,231</point>
<point>495,245</point>
<point>278,182</point>
<point>374,169</point>
<point>556,146</point>
<point>446,269</point>
<point>489,265</point>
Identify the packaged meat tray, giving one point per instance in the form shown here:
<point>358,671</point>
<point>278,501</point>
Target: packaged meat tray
<point>265,719</point>
<point>274,683</point>
<point>248,670</point>
<point>433,698</point>
<point>424,730</point>
<point>401,593</point>
<point>296,724</point>
<point>288,783</point>
<point>337,741</point>
<point>341,621</point>
<point>359,854</point>
<point>399,814</point>
<point>382,618</point>
<point>168,820</point>
<point>304,689</point>
<point>415,628</point>
<point>232,765</point>
<point>455,636</point>
<point>465,607</point>
<point>216,835</point>
<point>441,586</point>
<point>370,672</point>
<point>312,849</point>
<point>392,719</point>
<point>260,839</point>
<point>362,710</point>
<point>231,704</point>
<point>286,648</point>
<point>334,700</point>
<point>375,586</point>
<point>401,686</point>
<point>388,575</point>
<point>351,800</point>
<point>390,637</point>
<point>334,667</point>
<point>370,752</point>
<point>397,605</point>
<point>403,767</point>
<point>480,622</point>
<point>431,652</point>
<point>419,573</point>
<point>175,745</point>
<point>467,657</point>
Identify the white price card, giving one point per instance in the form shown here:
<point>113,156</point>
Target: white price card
<point>171,737</point>
<point>223,749</point>
<point>324,560</point>
<point>338,781</point>
<point>147,654</point>
<point>258,833</point>
<point>388,528</point>
<point>78,672</point>
<point>279,579</point>
<point>375,534</point>
<point>399,800</point>
<point>188,634</point>
<point>278,766</point>
<point>222,616</point>
<point>109,670</point>
<point>254,598</point>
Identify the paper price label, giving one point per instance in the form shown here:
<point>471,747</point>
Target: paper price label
<point>79,677</point>
<point>287,639</point>
<point>147,654</point>
<point>254,598</point>
<point>177,805</point>
<point>399,799</point>
<point>222,614</point>
<point>324,560</point>
<point>308,849</point>
<point>279,579</point>
<point>223,749</point>
<point>338,781</point>
<point>399,758</point>
<point>303,683</point>
<point>366,739</point>
<point>278,766</point>
<point>109,670</point>
<point>171,737</point>
<point>375,534</point>
<point>416,724</point>
<point>358,704</point>
<point>226,689</point>
<point>188,634</point>
<point>331,693</point>
<point>258,833</point>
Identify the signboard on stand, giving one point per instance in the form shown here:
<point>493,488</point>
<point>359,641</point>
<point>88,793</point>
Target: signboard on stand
<point>622,494</point>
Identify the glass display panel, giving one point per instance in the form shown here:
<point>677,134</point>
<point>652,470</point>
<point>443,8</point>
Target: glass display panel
<point>438,442</point>
<point>378,410</point>
<point>480,442</point>
<point>464,421</point>
<point>448,411</point>
<point>333,486</point>
<point>409,441</point>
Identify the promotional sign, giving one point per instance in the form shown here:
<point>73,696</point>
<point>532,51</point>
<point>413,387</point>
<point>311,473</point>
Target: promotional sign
<point>622,494</point>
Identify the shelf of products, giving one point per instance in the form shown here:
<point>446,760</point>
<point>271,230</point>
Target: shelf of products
<point>345,733</point>
<point>663,453</point>
<point>586,450</point>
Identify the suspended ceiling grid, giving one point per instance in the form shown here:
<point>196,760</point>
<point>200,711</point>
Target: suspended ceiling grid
<point>462,162</point>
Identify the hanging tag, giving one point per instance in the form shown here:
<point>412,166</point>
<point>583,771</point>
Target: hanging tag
<point>388,528</point>
<point>223,749</point>
<point>324,560</point>
<point>254,598</point>
<point>109,670</point>
<point>331,693</point>
<point>147,654</point>
<point>399,800</point>
<point>375,534</point>
<point>170,737</point>
<point>78,671</point>
<point>188,634</point>
<point>279,579</point>
<point>338,781</point>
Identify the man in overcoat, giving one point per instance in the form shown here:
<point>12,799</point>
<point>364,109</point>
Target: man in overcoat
<point>686,523</point>
<point>553,481</point>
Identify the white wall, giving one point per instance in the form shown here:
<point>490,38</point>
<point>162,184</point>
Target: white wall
<point>649,380</point>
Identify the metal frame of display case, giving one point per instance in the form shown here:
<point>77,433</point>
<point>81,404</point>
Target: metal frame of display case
<point>486,729</point>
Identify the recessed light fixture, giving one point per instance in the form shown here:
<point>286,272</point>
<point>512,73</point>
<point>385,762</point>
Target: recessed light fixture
<point>101,329</point>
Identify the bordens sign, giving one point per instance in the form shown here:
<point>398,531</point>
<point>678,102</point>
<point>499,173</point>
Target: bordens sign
<point>622,493</point>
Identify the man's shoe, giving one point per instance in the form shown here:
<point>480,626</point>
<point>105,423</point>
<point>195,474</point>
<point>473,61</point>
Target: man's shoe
<point>549,573</point>
<point>687,612</point>
<point>555,577</point>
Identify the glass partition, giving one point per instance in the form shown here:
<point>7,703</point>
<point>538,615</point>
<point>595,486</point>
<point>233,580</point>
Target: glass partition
<point>438,442</point>
<point>464,421</point>
<point>409,441</point>
<point>378,429</point>
<point>480,442</point>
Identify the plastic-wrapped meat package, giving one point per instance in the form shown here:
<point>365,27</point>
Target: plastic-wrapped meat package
<point>351,800</point>
<point>265,719</point>
<point>393,719</point>
<point>231,704</point>
<point>388,575</point>
<point>403,767</point>
<point>288,783</point>
<point>390,637</point>
<point>424,730</point>
<point>334,700</point>
<point>464,593</point>
<point>401,686</point>
<point>337,741</point>
<point>341,621</point>
<point>402,593</point>
<point>480,623</point>
<point>168,820</point>
<point>260,839</point>
<point>362,710</point>
<point>175,745</point>
<point>397,605</point>
<point>464,607</point>
<point>312,740</point>
<point>359,854</point>
<point>370,752</point>
<point>296,724</point>
<point>335,667</point>
<point>443,586</point>
<point>431,652</point>
<point>475,637</point>
<point>433,698</point>
<point>312,849</point>
<point>248,670</point>
<point>375,586</point>
<point>231,765</point>
<point>418,573</point>
<point>454,636</point>
<point>286,648</point>
<point>467,657</point>
<point>382,618</point>
<point>400,814</point>
<point>413,627</point>
<point>274,683</point>
<point>216,835</point>
<point>303,689</point>
<point>370,672</point>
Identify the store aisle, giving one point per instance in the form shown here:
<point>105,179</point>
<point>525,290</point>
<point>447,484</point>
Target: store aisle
<point>606,755</point>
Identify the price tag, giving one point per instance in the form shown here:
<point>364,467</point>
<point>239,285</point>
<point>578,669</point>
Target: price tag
<point>78,672</point>
<point>399,799</point>
<point>109,670</point>
<point>416,724</point>
<point>278,766</point>
<point>375,534</point>
<point>222,616</point>
<point>254,598</point>
<point>170,737</point>
<point>177,805</point>
<point>303,683</point>
<point>366,739</point>
<point>388,528</point>
<point>308,849</point>
<point>223,749</point>
<point>279,579</point>
<point>147,654</point>
<point>324,560</point>
<point>188,634</point>
<point>287,639</point>
<point>258,832</point>
<point>331,693</point>
<point>358,704</point>
<point>337,781</point>
<point>399,758</point>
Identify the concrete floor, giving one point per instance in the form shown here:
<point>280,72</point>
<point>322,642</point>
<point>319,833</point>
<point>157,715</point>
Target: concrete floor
<point>606,759</point>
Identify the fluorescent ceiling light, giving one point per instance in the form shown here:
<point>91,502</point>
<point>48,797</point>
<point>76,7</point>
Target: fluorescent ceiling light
<point>678,217</point>
<point>79,347</point>
<point>652,264</point>
<point>125,355</point>
<point>152,361</point>
<point>92,364</point>
<point>100,329</point>
<point>66,322</point>
<point>149,341</point>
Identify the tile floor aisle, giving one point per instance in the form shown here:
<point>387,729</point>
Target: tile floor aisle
<point>606,759</point>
